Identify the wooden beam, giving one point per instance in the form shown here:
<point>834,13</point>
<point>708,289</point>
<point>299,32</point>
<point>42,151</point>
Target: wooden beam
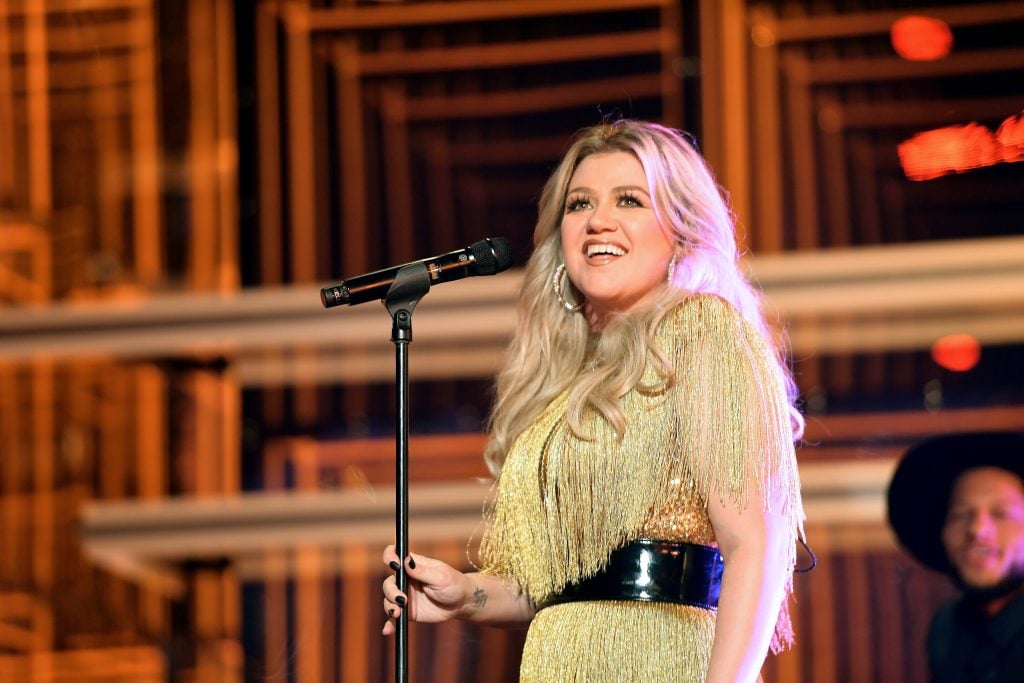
<point>301,19</point>
<point>515,53</point>
<point>855,24</point>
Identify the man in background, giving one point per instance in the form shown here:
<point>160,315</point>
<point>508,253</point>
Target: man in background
<point>956,503</point>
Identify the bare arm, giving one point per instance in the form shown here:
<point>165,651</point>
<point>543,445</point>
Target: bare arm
<point>753,542</point>
<point>439,592</point>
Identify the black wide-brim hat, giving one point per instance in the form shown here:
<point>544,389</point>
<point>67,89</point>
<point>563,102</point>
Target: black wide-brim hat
<point>923,483</point>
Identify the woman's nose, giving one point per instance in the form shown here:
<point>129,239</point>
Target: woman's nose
<point>602,220</point>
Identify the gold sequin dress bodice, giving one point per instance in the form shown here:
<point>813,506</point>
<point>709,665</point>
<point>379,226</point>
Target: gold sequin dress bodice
<point>564,503</point>
<point>684,519</point>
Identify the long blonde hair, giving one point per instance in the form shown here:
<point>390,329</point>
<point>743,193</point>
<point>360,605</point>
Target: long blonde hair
<point>553,349</point>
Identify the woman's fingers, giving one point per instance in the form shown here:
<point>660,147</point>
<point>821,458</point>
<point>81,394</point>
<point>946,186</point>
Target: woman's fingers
<point>391,559</point>
<point>428,571</point>
<point>391,606</point>
<point>391,592</point>
<point>433,593</point>
<point>390,625</point>
<point>391,609</point>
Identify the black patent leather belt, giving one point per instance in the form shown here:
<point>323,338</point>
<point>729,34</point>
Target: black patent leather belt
<point>652,571</point>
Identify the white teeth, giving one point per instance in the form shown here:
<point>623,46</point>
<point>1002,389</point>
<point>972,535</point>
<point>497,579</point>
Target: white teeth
<point>597,249</point>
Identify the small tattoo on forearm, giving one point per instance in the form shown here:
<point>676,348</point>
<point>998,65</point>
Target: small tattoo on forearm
<point>479,598</point>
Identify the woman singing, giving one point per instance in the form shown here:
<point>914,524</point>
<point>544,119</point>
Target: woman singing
<point>647,503</point>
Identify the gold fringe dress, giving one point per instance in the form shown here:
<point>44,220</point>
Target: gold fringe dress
<point>563,503</point>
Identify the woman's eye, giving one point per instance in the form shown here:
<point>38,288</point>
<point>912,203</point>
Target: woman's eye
<point>576,204</point>
<point>629,200</point>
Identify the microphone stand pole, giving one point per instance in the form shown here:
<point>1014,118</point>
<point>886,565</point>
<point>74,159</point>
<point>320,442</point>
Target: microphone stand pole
<point>411,283</point>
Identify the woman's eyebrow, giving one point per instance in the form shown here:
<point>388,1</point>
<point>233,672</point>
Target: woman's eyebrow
<point>636,188</point>
<point>619,188</point>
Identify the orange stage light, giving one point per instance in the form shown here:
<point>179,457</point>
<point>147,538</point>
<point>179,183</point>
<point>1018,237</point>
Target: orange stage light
<point>956,149</point>
<point>957,352</point>
<point>921,39</point>
<point>1011,135</point>
<point>953,149</point>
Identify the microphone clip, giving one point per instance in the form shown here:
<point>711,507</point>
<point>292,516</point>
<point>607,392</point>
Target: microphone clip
<point>411,284</point>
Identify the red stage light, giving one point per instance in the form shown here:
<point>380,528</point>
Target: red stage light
<point>957,352</point>
<point>955,149</point>
<point>1011,136</point>
<point>921,39</point>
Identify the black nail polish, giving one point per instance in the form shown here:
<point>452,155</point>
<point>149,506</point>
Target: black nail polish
<point>412,563</point>
<point>394,565</point>
<point>400,600</point>
<point>391,613</point>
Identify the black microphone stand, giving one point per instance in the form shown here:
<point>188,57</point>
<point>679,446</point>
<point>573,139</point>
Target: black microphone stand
<point>411,283</point>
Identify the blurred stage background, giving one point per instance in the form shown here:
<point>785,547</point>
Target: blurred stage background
<point>196,459</point>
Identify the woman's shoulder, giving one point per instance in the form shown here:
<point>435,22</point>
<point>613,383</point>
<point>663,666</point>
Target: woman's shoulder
<point>701,319</point>
<point>703,308</point>
<point>711,322</point>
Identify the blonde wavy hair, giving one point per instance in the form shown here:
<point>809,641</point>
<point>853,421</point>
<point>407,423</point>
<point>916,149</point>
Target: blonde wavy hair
<point>553,349</point>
